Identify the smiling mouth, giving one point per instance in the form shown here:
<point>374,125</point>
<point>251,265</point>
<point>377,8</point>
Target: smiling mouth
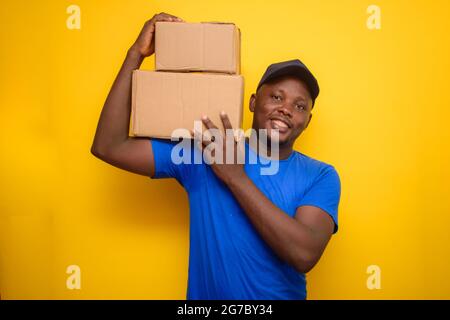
<point>280,125</point>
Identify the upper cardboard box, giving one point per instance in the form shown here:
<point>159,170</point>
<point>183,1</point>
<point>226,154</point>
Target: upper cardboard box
<point>205,46</point>
<point>165,101</point>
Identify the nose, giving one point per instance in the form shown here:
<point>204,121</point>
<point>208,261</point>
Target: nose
<point>285,110</point>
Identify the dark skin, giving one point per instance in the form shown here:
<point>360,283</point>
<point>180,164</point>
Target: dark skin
<point>272,103</point>
<point>300,241</point>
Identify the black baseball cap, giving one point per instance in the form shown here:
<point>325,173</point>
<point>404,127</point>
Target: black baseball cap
<point>294,68</point>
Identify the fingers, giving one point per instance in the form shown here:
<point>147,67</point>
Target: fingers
<point>225,120</point>
<point>167,17</point>
<point>172,17</point>
<point>208,123</point>
<point>207,138</point>
<point>229,128</point>
<point>150,24</point>
<point>201,142</point>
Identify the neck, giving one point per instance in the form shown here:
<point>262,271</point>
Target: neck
<point>261,146</point>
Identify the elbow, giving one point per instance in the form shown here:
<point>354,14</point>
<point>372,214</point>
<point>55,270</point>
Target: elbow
<point>98,152</point>
<point>304,268</point>
<point>305,263</point>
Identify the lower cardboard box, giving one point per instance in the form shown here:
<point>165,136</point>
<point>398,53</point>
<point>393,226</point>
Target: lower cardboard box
<point>163,102</point>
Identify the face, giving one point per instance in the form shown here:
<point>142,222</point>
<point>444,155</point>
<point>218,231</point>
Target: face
<point>284,104</point>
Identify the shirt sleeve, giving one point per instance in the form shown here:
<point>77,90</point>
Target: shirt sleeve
<point>167,164</point>
<point>325,193</point>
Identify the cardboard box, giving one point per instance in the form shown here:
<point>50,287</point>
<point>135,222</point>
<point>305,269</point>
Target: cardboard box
<point>165,101</point>
<point>205,46</point>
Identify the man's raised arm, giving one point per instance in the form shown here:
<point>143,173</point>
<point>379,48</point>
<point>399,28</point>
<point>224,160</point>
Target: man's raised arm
<point>112,143</point>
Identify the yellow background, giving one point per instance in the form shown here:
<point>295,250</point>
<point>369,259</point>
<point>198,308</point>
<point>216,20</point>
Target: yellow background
<point>381,119</point>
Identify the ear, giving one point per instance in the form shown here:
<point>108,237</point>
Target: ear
<point>252,104</point>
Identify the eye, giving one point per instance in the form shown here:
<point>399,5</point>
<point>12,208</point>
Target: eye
<point>300,107</point>
<point>276,97</point>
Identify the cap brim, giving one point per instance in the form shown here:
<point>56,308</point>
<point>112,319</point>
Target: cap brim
<point>300,73</point>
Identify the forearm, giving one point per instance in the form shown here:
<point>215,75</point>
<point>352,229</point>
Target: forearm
<point>292,241</point>
<point>113,125</point>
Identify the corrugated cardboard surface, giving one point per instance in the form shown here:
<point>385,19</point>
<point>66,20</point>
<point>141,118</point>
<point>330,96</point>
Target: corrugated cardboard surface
<point>206,46</point>
<point>165,101</point>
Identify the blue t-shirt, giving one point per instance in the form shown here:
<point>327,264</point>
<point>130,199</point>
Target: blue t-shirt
<point>228,258</point>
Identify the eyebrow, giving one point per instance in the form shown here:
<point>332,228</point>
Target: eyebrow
<point>297,98</point>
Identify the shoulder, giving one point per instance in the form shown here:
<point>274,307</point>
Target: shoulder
<point>312,163</point>
<point>315,168</point>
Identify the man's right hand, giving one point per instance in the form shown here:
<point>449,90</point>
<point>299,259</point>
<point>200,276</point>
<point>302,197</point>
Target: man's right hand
<point>145,43</point>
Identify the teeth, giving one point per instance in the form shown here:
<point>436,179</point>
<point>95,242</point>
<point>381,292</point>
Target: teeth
<point>279,124</point>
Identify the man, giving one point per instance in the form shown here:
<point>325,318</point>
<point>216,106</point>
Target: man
<point>252,236</point>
